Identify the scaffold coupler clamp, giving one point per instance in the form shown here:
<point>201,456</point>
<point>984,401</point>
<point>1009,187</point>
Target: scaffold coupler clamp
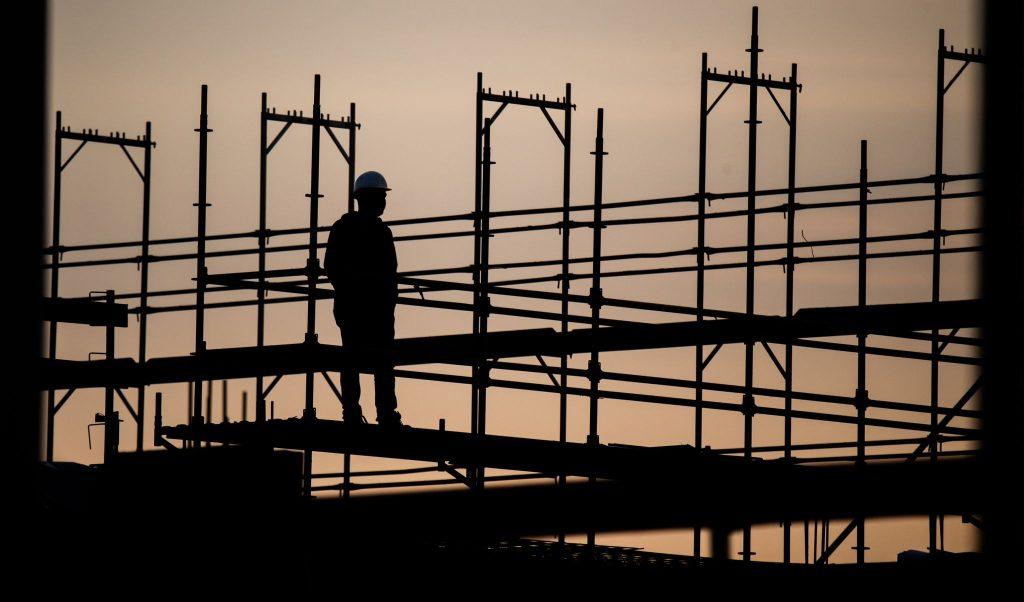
<point>594,371</point>
<point>861,400</point>
<point>484,373</point>
<point>313,267</point>
<point>749,407</point>
<point>596,297</point>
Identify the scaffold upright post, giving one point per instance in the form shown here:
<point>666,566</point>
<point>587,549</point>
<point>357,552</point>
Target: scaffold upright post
<point>201,271</point>
<point>144,259</point>
<point>748,347</point>
<point>862,292</point>
<point>698,350</point>
<point>596,294</point>
<point>261,238</point>
<point>790,265</point>
<point>55,258</point>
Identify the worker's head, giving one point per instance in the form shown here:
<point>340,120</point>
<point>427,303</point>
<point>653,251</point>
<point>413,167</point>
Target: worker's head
<point>371,191</point>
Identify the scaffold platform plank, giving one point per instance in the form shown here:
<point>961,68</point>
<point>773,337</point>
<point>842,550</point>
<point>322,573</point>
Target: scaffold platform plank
<point>456,449</point>
<point>83,311</point>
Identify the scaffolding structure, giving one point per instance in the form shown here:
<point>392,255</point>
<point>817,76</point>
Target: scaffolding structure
<point>464,457</point>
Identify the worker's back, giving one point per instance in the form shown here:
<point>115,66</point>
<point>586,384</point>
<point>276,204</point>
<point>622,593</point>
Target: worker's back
<point>362,265</point>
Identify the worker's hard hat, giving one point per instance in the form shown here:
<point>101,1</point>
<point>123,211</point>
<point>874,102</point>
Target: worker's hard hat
<point>370,180</point>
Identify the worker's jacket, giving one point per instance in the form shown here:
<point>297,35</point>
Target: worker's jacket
<point>362,265</point>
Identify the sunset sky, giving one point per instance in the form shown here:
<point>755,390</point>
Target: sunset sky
<point>868,70</point>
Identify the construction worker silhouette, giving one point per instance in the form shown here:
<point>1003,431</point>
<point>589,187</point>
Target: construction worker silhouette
<point>362,265</point>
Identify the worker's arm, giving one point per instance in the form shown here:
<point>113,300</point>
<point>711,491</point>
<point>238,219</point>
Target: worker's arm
<point>392,261</point>
<point>331,255</point>
<point>335,265</point>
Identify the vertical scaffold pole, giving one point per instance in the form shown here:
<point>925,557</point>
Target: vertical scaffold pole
<point>147,177</point>
<point>261,293</point>
<point>477,165</point>
<point>940,81</point>
<point>484,298</point>
<point>790,267</point>
<point>566,173</point>
<point>209,407</point>
<point>698,389</point>
<point>312,268</point>
<point>346,460</point>
<point>188,411</point>
<point>351,156</point>
<point>51,350</point>
<point>862,296</point>
<point>111,419</point>
<point>476,368</point>
<point>201,206</point>
<point>748,379</point>
<point>224,401</point>
<point>563,400</point>
<point>594,367</point>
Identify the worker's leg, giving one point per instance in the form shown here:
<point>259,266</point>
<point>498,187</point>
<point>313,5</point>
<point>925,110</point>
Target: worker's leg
<point>350,390</point>
<point>384,372</point>
<point>384,389</point>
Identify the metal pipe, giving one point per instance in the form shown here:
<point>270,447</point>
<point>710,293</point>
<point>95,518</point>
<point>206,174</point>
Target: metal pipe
<point>557,209</point>
<point>483,368</point>
<point>760,263</point>
<point>594,367</point>
<point>312,269</point>
<point>51,351</point>
<point>201,273</point>
<point>728,388</point>
<point>689,403</point>
<point>782,208</point>
<point>477,175</point>
<point>940,81</point>
<point>352,157</point>
<point>790,276</point>
<point>565,280</point>
<point>209,404</point>
<point>261,294</point>
<point>862,288</point>
<point>111,426</point>
<point>748,351</point>
<point>563,399</point>
<point>702,168</point>
<point>144,280</point>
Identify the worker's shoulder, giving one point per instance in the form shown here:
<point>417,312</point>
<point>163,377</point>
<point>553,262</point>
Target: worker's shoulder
<point>347,221</point>
<point>356,221</point>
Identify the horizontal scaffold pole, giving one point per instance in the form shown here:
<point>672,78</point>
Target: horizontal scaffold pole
<point>468,348</point>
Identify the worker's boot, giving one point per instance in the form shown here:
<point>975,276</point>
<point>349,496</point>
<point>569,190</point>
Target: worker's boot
<point>353,415</point>
<point>389,419</point>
